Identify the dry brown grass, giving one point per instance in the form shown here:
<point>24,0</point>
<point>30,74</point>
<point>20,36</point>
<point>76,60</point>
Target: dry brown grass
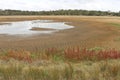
<point>103,70</point>
<point>88,32</point>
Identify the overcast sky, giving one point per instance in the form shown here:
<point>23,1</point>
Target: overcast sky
<point>37,5</point>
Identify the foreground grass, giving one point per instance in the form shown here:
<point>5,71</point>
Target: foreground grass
<point>86,70</point>
<point>53,64</point>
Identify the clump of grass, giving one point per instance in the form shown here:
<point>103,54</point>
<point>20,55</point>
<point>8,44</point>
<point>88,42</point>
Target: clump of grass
<point>86,54</point>
<point>10,72</point>
<point>18,55</point>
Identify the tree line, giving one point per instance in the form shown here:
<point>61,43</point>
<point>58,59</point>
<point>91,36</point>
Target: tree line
<point>60,12</point>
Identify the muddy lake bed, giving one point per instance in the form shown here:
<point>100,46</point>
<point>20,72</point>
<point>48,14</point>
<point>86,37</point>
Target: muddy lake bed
<point>33,33</point>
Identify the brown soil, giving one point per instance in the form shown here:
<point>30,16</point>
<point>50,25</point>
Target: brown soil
<point>89,32</point>
<point>40,29</point>
<point>5,23</point>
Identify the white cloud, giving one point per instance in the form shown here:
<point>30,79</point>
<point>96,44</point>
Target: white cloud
<point>113,5</point>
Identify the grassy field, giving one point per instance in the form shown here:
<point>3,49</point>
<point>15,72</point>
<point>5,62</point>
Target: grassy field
<point>90,51</point>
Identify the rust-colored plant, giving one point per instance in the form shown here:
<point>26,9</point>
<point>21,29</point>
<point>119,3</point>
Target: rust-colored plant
<point>86,54</point>
<point>20,55</point>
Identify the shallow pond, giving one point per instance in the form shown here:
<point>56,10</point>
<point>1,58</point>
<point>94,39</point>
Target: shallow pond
<point>24,27</point>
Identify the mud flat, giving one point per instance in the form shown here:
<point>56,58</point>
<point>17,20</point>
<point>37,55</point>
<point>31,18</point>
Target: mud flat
<point>88,32</point>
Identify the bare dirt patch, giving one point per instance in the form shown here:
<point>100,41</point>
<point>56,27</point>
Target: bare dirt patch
<point>40,29</point>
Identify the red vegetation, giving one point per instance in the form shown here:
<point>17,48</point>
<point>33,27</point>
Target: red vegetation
<point>109,54</point>
<point>85,54</point>
<point>69,54</point>
<point>79,54</point>
<point>52,51</point>
<point>18,55</point>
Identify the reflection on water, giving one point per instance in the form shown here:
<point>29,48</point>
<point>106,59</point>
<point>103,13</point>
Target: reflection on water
<point>24,27</point>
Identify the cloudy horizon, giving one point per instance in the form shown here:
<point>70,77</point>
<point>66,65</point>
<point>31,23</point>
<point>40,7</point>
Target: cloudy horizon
<point>39,5</point>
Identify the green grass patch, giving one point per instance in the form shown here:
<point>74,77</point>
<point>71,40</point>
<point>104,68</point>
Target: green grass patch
<point>115,24</point>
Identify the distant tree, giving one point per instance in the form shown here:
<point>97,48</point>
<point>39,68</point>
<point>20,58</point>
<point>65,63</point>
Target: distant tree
<point>60,12</point>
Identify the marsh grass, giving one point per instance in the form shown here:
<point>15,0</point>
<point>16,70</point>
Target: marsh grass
<point>100,70</point>
<point>55,64</point>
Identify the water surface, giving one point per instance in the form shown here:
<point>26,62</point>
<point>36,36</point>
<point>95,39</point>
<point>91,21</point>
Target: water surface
<point>24,27</point>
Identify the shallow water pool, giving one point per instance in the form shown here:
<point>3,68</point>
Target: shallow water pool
<point>24,27</point>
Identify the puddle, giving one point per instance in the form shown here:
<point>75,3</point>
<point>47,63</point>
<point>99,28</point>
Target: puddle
<point>25,27</point>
